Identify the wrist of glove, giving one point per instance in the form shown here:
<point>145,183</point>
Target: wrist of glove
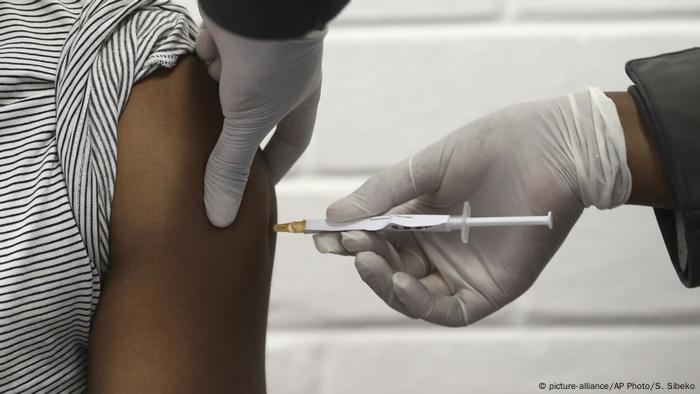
<point>558,155</point>
<point>597,145</point>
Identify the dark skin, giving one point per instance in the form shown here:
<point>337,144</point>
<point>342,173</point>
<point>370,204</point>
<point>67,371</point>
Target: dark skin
<point>649,182</point>
<point>184,305</point>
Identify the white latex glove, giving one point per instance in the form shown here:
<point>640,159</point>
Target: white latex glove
<point>558,155</point>
<point>262,84</point>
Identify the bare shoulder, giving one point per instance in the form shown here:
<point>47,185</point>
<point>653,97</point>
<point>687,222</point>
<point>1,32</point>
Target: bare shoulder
<point>165,134</point>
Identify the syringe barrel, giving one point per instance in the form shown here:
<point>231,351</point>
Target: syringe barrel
<point>455,222</point>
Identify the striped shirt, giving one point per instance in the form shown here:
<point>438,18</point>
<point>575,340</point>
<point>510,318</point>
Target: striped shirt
<point>66,70</point>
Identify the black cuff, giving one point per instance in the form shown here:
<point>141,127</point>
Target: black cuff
<point>272,19</point>
<point>667,93</point>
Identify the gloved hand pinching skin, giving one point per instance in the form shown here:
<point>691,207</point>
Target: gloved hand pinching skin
<point>262,84</point>
<point>558,155</point>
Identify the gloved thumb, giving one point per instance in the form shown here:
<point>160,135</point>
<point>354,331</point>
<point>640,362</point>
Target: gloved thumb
<point>227,173</point>
<point>411,178</point>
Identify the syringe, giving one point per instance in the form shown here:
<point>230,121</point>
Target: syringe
<point>427,223</point>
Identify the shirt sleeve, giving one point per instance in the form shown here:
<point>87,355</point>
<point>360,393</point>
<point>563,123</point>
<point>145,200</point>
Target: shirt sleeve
<point>272,19</point>
<point>667,92</point>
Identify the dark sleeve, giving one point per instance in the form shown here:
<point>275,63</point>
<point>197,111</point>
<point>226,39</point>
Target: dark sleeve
<point>667,92</point>
<point>272,19</point>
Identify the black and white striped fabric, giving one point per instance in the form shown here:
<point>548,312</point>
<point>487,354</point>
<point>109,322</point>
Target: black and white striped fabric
<point>66,70</point>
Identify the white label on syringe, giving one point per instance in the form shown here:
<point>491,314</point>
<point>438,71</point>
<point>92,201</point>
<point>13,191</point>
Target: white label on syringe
<point>392,222</point>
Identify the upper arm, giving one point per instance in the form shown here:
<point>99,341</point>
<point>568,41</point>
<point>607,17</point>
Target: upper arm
<point>184,304</point>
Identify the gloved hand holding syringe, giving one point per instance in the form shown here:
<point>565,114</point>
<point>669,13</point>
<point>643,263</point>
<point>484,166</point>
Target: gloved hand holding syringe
<point>425,223</point>
<point>559,155</point>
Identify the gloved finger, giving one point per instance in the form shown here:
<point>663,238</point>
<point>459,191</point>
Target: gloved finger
<point>330,243</point>
<point>206,46</point>
<point>292,136</point>
<point>414,260</point>
<point>377,273</point>
<point>411,178</point>
<point>436,284</point>
<point>363,241</point>
<point>419,301</point>
<point>359,241</point>
<point>227,173</point>
<point>214,69</point>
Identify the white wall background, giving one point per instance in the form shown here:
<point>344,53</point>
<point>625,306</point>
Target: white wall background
<point>397,75</point>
